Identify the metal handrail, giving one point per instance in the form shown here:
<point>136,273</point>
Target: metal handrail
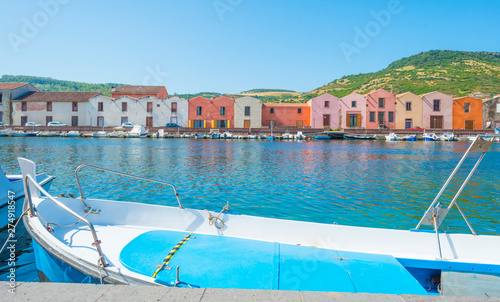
<point>96,242</point>
<point>123,174</point>
<point>454,201</point>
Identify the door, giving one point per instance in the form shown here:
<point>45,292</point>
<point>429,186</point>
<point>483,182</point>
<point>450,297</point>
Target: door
<point>272,124</point>
<point>246,124</point>
<point>469,125</point>
<point>326,120</point>
<point>408,123</point>
<point>100,121</point>
<point>149,121</point>
<point>299,124</point>
<point>74,121</point>
<point>436,122</point>
<point>24,120</point>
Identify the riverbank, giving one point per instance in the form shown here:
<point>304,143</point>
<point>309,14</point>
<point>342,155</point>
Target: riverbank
<point>27,291</point>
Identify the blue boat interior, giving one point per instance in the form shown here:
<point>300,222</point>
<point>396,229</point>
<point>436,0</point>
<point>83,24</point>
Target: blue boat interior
<point>210,261</point>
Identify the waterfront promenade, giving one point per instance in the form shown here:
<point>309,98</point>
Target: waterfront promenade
<point>55,292</point>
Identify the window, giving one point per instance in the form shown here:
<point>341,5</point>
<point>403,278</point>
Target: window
<point>299,110</point>
<point>466,107</point>
<point>149,107</point>
<point>372,117</point>
<point>100,106</point>
<point>437,104</point>
<point>391,117</point>
<point>198,123</point>
<point>0,100</point>
<point>381,117</point>
<point>49,106</point>
<point>408,106</point>
<point>221,124</point>
<point>75,106</point>
<point>74,121</point>
<point>247,110</point>
<point>381,103</point>
<point>124,106</point>
<point>353,104</point>
<point>1,116</point>
<point>353,120</point>
<point>124,119</point>
<point>24,120</point>
<point>498,108</point>
<point>24,106</point>
<point>327,104</point>
<point>272,110</point>
<point>173,108</point>
<point>48,119</point>
<point>198,110</point>
<point>222,110</point>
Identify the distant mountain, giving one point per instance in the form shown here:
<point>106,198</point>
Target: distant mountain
<point>50,84</point>
<point>459,73</point>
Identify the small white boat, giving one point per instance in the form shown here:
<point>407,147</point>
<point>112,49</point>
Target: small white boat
<point>448,136</point>
<point>71,134</point>
<point>95,240</point>
<point>430,137</point>
<point>287,136</point>
<point>252,136</point>
<point>100,134</point>
<point>23,134</point>
<point>299,136</point>
<point>5,132</point>
<point>185,135</point>
<point>226,135</point>
<point>411,137</point>
<point>48,134</point>
<point>118,132</point>
<point>138,132</point>
<point>392,137</point>
<point>12,193</point>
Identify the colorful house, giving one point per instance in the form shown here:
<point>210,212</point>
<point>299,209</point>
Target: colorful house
<point>408,110</point>
<point>467,113</point>
<point>491,113</point>
<point>247,113</point>
<point>380,109</point>
<point>214,113</point>
<point>297,115</point>
<point>325,111</point>
<point>353,111</point>
<point>138,92</point>
<point>437,110</point>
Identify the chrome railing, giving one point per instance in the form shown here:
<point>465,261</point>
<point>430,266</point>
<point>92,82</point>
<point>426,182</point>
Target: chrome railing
<point>434,216</point>
<point>97,243</point>
<point>123,174</point>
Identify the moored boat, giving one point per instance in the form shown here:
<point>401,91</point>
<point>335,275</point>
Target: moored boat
<point>138,132</point>
<point>23,134</point>
<point>411,137</point>
<point>360,137</point>
<point>132,240</point>
<point>392,137</point>
<point>448,136</point>
<point>430,137</point>
<point>324,137</point>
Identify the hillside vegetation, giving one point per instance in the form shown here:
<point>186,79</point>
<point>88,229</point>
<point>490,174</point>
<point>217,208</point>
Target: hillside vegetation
<point>459,73</point>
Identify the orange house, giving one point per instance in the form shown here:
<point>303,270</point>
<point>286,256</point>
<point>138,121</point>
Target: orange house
<point>214,113</point>
<point>286,115</point>
<point>467,113</point>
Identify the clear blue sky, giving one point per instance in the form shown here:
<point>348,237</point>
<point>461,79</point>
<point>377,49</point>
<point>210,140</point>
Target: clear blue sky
<point>232,45</point>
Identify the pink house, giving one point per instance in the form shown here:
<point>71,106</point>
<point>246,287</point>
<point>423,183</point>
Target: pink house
<point>437,110</point>
<point>353,111</point>
<point>325,110</point>
<point>380,109</point>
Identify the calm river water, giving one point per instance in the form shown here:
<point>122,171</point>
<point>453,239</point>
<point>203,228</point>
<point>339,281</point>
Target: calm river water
<point>363,183</point>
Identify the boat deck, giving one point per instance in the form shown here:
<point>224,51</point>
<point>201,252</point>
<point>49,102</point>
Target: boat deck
<point>210,261</point>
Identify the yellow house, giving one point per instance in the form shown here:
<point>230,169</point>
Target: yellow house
<point>408,110</point>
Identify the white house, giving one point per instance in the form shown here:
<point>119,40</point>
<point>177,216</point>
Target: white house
<point>247,113</point>
<point>43,107</point>
<point>8,92</point>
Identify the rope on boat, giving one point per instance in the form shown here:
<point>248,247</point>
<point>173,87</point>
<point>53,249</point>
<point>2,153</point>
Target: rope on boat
<point>171,254</point>
<point>48,225</point>
<point>15,225</point>
<point>212,220</point>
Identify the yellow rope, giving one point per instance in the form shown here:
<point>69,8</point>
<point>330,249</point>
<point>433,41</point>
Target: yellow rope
<point>212,220</point>
<point>171,254</point>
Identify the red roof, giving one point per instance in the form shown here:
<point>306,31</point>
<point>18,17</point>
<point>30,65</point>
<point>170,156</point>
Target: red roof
<point>132,89</point>
<point>57,96</point>
<point>11,85</point>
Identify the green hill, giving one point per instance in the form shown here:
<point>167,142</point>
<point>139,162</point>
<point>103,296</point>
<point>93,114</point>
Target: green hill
<point>50,84</point>
<point>458,73</point>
